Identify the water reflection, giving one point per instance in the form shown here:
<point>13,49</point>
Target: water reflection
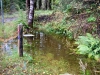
<point>7,47</point>
<point>52,50</point>
<point>47,44</point>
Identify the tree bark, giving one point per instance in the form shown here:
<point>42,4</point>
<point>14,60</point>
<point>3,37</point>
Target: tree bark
<point>27,8</point>
<point>31,14</point>
<point>48,4</point>
<point>38,4</point>
<point>98,26</point>
<point>44,4</point>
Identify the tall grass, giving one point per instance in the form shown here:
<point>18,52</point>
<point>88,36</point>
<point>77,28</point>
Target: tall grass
<point>41,12</point>
<point>9,28</point>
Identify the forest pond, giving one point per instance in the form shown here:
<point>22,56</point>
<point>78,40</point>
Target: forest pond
<point>54,54</point>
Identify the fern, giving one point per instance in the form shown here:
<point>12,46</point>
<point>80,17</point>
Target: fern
<point>83,49</point>
<point>91,19</point>
<point>88,45</point>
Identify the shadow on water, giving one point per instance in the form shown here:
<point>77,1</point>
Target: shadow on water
<point>45,48</point>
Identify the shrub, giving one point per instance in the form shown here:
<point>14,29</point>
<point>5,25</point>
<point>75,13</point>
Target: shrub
<point>11,5</point>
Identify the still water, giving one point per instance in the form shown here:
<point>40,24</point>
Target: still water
<point>55,54</point>
<point>53,47</point>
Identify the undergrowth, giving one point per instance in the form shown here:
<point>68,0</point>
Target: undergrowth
<point>89,46</point>
<point>9,29</point>
<point>57,28</point>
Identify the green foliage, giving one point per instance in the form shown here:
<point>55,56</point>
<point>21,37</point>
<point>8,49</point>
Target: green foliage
<point>11,5</point>
<point>22,18</point>
<point>88,45</point>
<point>88,11</point>
<point>67,6</point>
<point>91,19</point>
<point>57,28</point>
<point>14,64</point>
<point>42,12</point>
<point>87,72</point>
<point>9,28</point>
<point>55,4</point>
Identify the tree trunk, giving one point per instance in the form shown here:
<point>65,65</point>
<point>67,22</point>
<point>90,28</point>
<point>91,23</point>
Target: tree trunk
<point>48,4</point>
<point>27,8</point>
<point>44,4</point>
<point>98,26</point>
<point>38,4</point>
<point>31,14</point>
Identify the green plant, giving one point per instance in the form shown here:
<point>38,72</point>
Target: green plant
<point>22,18</point>
<point>88,45</point>
<point>88,11</point>
<point>72,7</point>
<point>11,5</point>
<point>57,28</point>
<point>91,19</point>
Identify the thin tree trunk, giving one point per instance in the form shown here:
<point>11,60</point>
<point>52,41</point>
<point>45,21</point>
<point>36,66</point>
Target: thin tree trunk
<point>48,4</point>
<point>27,8</point>
<point>38,4</point>
<point>98,26</point>
<point>31,14</point>
<point>44,4</point>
